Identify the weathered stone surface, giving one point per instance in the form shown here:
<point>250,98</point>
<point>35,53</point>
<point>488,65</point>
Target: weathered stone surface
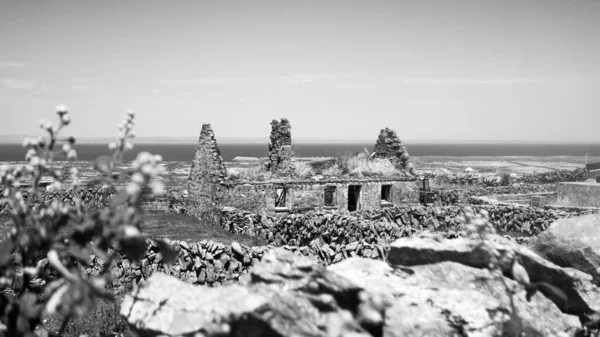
<point>164,304</point>
<point>446,298</point>
<point>285,295</point>
<point>281,152</point>
<point>419,251</point>
<point>206,173</point>
<point>289,295</point>
<point>388,145</point>
<point>585,228</point>
<point>565,252</point>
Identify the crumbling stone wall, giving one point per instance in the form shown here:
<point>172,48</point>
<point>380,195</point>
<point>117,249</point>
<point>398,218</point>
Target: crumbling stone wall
<point>206,174</point>
<point>281,153</point>
<point>389,146</point>
<point>307,195</point>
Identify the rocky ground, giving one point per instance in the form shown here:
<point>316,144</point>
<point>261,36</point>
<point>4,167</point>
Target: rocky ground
<point>426,286</point>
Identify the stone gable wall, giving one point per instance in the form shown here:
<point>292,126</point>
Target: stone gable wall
<point>281,153</point>
<point>206,173</point>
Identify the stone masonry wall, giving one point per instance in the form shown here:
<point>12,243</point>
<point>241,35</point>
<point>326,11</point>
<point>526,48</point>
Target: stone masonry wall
<point>306,196</point>
<point>389,146</point>
<point>206,173</point>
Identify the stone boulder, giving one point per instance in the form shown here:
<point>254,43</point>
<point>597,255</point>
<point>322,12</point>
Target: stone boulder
<point>285,295</point>
<point>421,251</point>
<point>290,295</point>
<point>568,252</point>
<point>451,299</point>
<point>585,228</point>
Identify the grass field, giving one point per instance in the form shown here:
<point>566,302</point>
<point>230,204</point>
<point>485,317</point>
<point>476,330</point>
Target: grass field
<point>160,225</point>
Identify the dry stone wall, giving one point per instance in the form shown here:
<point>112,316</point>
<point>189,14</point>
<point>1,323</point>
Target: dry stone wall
<point>463,196</point>
<point>326,238</point>
<point>90,197</point>
<point>384,225</point>
<point>213,264</point>
<point>496,180</point>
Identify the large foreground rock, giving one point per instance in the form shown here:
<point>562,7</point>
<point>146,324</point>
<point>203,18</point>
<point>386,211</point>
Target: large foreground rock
<point>585,228</point>
<point>285,295</point>
<point>420,251</point>
<point>449,299</point>
<point>288,295</point>
<point>573,243</point>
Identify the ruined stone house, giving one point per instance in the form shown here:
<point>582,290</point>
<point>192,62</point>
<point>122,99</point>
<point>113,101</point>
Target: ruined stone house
<point>210,188</point>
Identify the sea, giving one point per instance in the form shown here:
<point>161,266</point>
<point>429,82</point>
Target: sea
<point>185,152</point>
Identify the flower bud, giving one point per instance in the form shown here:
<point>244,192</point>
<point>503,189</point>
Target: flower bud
<point>62,109</point>
<point>130,231</point>
<point>72,154</point>
<point>46,125</point>
<point>158,188</point>
<point>66,148</point>
<point>132,189</point>
<point>112,146</point>
<point>65,119</point>
<point>137,178</point>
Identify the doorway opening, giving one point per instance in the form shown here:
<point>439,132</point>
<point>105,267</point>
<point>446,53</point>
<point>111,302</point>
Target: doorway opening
<point>353,197</point>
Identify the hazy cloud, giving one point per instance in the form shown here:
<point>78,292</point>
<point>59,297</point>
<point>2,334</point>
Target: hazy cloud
<point>473,81</point>
<point>12,64</point>
<point>85,87</point>
<point>19,84</point>
<point>300,78</point>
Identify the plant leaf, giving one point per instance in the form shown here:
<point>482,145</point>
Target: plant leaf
<point>168,252</point>
<point>82,254</point>
<point>53,304</point>
<point>119,198</point>
<point>104,164</point>
<point>6,252</point>
<point>134,247</point>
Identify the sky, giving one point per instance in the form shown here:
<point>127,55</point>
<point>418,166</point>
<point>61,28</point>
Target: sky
<point>454,70</point>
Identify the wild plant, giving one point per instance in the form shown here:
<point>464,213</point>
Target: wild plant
<point>42,257</point>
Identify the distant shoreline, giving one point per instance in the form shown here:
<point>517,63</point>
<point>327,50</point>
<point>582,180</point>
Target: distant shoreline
<point>185,151</point>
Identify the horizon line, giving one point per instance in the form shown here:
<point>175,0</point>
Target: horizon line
<point>17,139</point>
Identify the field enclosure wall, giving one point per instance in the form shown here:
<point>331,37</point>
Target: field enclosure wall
<point>578,194</point>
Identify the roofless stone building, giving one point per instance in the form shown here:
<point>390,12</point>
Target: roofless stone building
<point>210,186</point>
